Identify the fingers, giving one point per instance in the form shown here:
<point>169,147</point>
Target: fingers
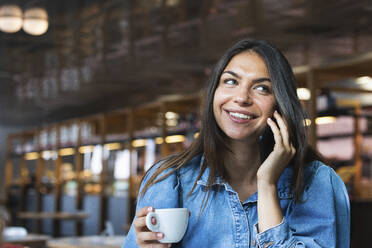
<point>281,134</point>
<point>275,130</point>
<point>150,239</point>
<point>140,220</point>
<point>283,128</point>
<point>145,238</point>
<point>139,223</point>
<point>144,211</point>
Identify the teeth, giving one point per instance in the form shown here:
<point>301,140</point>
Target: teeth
<point>241,116</point>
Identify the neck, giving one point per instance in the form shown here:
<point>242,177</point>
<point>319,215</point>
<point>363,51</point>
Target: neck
<point>243,162</point>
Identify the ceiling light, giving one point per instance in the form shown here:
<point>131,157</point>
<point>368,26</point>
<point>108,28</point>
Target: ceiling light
<point>159,140</point>
<point>303,94</point>
<point>35,21</point>
<point>112,146</point>
<point>364,80</point>
<point>171,115</point>
<point>66,151</point>
<point>325,120</point>
<point>172,3</point>
<point>139,143</point>
<point>174,138</point>
<point>31,155</point>
<point>10,18</point>
<point>86,149</point>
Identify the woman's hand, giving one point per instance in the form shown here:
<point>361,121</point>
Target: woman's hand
<point>271,169</point>
<point>268,206</point>
<point>146,238</point>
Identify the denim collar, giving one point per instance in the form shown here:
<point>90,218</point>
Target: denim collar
<point>283,185</point>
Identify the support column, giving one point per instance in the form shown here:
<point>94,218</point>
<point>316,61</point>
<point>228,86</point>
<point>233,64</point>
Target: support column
<point>58,186</point>
<point>358,163</point>
<point>39,176</point>
<point>78,171</point>
<point>164,132</point>
<point>103,176</point>
<point>132,175</point>
<point>312,106</point>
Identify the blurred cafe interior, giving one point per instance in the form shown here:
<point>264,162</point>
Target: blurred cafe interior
<point>94,92</point>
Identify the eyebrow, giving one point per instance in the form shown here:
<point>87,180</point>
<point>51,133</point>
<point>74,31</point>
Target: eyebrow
<point>232,73</point>
<point>258,80</point>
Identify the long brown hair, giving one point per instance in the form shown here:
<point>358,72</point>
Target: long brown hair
<point>211,140</point>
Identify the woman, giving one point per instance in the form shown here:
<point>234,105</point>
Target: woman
<point>249,179</point>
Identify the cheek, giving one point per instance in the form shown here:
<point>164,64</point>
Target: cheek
<point>215,105</point>
<point>274,107</point>
<point>267,106</point>
<point>271,110</point>
<point>217,100</point>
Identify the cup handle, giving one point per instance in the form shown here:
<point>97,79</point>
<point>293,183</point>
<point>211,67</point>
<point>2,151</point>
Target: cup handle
<point>153,228</point>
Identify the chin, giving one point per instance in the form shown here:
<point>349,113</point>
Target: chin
<point>240,137</point>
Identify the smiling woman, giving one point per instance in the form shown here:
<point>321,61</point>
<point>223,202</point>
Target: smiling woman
<point>244,98</point>
<point>250,178</point>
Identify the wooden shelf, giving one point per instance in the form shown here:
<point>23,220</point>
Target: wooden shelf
<point>54,215</point>
<point>121,126</point>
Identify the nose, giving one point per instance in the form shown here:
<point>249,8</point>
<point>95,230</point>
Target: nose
<point>243,97</point>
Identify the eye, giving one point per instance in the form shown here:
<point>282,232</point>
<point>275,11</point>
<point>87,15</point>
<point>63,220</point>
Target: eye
<point>263,88</point>
<point>230,81</point>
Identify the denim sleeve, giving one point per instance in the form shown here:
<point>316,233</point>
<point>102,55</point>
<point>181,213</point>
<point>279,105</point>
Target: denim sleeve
<point>163,194</point>
<point>321,220</point>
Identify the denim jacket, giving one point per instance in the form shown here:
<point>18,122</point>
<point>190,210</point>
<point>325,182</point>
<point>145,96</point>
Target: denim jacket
<point>320,219</point>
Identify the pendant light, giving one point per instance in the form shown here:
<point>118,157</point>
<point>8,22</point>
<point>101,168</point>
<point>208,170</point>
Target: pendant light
<point>10,18</point>
<point>35,21</point>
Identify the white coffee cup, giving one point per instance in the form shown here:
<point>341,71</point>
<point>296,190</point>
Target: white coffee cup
<point>172,222</point>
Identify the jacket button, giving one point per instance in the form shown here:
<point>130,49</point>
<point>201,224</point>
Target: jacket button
<point>253,242</point>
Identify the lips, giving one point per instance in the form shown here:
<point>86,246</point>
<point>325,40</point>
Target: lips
<point>241,116</point>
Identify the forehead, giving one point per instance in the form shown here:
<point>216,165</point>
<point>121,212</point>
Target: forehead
<point>247,61</point>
